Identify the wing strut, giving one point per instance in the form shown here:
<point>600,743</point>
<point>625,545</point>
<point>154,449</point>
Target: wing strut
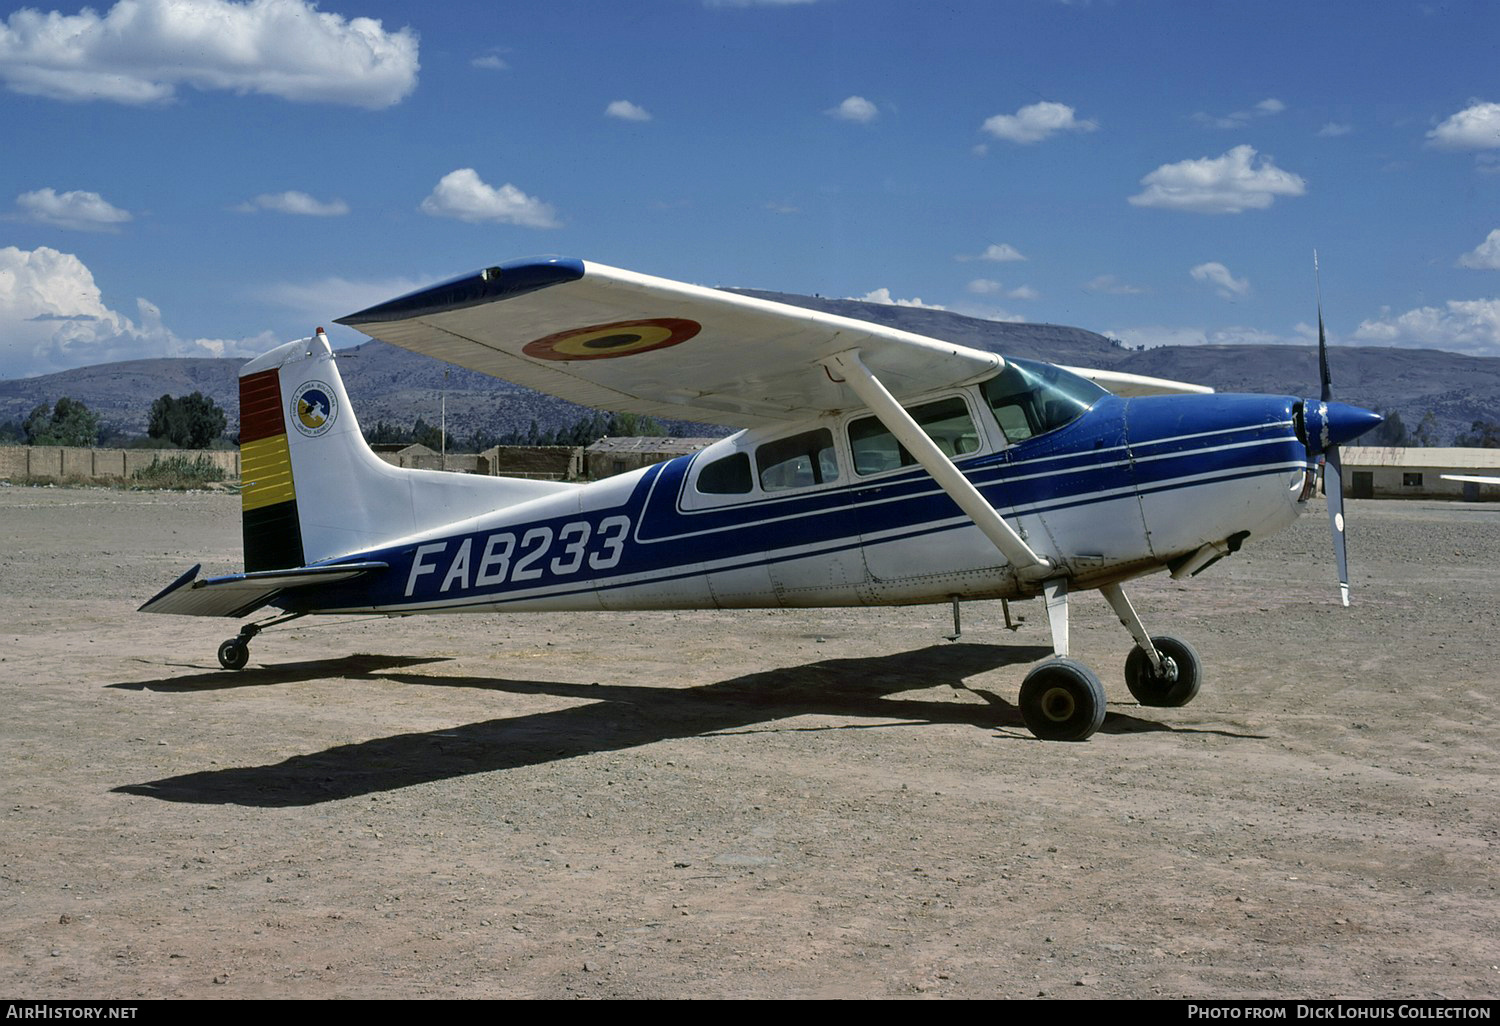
<point>857,376</point>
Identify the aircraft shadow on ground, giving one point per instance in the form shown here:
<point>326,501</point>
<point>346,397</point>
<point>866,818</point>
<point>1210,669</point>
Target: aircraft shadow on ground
<point>354,667</point>
<point>616,717</point>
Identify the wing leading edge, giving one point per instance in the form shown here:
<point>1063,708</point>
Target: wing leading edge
<point>617,340</point>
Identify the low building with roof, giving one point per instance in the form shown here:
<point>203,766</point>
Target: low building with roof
<point>1395,472</point>
<point>610,456</point>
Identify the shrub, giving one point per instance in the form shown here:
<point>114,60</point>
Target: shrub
<point>179,472</point>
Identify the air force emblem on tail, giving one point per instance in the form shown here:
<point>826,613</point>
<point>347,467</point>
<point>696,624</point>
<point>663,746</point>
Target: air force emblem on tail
<point>314,408</point>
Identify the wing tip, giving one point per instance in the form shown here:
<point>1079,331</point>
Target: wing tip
<point>492,284</point>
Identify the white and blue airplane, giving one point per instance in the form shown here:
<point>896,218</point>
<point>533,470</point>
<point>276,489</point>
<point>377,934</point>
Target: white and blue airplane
<point>876,467</point>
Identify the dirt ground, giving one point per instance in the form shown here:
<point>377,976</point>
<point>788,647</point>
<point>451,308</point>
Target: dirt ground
<point>813,804</point>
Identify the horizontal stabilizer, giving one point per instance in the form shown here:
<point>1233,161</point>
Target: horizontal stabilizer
<point>1129,386</point>
<point>239,595</point>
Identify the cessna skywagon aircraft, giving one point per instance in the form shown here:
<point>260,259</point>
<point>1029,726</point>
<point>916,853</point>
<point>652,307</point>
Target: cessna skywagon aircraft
<point>877,467</point>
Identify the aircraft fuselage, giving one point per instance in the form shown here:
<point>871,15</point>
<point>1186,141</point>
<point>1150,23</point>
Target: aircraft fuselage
<point>826,514</point>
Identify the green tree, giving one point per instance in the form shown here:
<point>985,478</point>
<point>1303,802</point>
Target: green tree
<point>1425,435</point>
<point>427,434</point>
<point>188,422</point>
<point>1482,434</point>
<point>1389,431</point>
<point>384,433</point>
<point>69,423</point>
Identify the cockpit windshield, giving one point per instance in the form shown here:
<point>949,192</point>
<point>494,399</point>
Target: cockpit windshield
<point>1029,398</point>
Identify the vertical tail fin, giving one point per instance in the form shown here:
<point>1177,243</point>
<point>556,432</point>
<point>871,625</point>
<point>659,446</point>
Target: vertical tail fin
<point>314,491</point>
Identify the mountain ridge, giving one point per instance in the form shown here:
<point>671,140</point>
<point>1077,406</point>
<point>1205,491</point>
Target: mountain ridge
<point>391,384</point>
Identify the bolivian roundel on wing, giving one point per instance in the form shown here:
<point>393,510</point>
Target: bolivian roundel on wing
<point>618,338</point>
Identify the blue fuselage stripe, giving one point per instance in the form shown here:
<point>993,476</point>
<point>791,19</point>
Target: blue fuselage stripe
<point>652,538</point>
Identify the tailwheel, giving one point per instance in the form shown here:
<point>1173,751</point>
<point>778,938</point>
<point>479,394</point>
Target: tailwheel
<point>1181,676</point>
<point>1062,700</point>
<point>234,654</point>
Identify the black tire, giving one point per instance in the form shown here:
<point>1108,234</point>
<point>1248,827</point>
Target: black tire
<point>234,654</point>
<point>1170,690</point>
<point>1062,700</point>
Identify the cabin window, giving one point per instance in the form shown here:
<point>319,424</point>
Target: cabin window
<point>1029,398</point>
<point>946,422</point>
<point>727,476</point>
<point>798,461</point>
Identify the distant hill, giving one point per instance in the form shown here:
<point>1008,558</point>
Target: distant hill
<point>397,386</point>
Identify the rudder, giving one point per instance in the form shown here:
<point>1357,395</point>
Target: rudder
<point>268,499</point>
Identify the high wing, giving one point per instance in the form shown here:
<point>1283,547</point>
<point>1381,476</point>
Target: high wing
<point>1131,385</point>
<point>617,340</point>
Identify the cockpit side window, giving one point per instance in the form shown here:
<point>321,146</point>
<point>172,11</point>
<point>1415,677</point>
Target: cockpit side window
<point>796,462</point>
<point>946,422</point>
<point>727,476</point>
<point>1029,398</point>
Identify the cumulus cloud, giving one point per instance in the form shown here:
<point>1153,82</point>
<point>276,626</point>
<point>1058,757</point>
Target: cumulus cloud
<point>990,287</point>
<point>489,62</point>
<point>140,51</point>
<point>1460,326</point>
<point>1110,285</point>
<point>79,211</point>
<point>1036,122</point>
<point>1230,184</point>
<point>295,203</point>
<point>53,317</point>
<point>1217,275</point>
<point>1153,335</point>
<point>999,252</point>
<point>1485,256</point>
<point>1239,118</point>
<point>1476,127</point>
<point>883,296</point>
<point>626,111</point>
<point>464,196</point>
<point>1334,129</point>
<point>855,108</point>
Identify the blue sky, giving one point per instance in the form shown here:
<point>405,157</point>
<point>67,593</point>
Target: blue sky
<point>199,177</point>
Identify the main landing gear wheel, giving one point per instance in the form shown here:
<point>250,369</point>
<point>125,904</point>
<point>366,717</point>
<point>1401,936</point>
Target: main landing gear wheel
<point>1062,700</point>
<point>1175,687</point>
<point>234,654</point>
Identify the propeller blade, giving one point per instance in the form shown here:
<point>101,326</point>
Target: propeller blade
<point>1339,422</point>
<point>1333,470</point>
<point>1333,488</point>
<point>1324,376</point>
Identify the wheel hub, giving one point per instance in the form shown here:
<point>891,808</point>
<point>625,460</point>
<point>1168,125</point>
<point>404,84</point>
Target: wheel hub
<point>1058,704</point>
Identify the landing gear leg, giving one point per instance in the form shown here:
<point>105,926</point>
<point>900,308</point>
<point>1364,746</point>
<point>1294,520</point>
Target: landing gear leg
<point>1062,699</point>
<point>235,652</point>
<point>1162,671</point>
